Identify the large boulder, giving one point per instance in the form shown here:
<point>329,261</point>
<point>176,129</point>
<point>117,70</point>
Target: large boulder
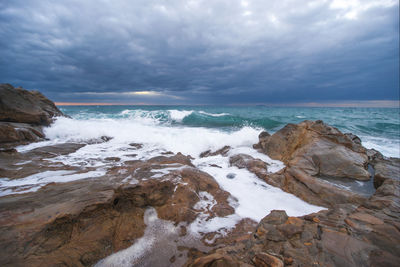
<point>318,149</point>
<point>20,105</point>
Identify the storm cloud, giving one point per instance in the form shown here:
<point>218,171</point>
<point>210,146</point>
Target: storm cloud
<point>199,51</point>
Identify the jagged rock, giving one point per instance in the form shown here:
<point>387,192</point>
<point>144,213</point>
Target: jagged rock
<point>374,155</point>
<point>215,260</point>
<point>344,235</point>
<point>355,231</point>
<point>19,133</point>
<point>222,151</point>
<point>256,166</point>
<point>136,145</point>
<point>266,260</point>
<point>319,150</point>
<point>20,105</point>
<point>386,169</point>
<point>262,137</point>
<point>83,221</point>
<point>353,138</point>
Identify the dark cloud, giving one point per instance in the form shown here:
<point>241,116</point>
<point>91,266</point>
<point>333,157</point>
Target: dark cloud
<point>200,51</point>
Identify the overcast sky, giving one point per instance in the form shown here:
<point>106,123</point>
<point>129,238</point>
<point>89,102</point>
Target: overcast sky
<point>202,51</point>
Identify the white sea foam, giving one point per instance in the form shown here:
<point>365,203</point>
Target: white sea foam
<point>191,141</point>
<point>388,147</point>
<point>214,114</point>
<point>179,115</point>
<point>255,198</point>
<point>35,181</point>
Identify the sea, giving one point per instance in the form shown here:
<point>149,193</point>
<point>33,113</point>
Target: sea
<point>178,127</point>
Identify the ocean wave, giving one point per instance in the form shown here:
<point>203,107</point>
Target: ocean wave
<point>179,115</point>
<point>388,147</point>
<point>214,114</point>
<point>176,139</point>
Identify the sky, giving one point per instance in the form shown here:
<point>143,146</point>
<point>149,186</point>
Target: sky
<point>202,51</point>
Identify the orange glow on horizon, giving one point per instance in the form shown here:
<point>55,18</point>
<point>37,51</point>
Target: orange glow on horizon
<point>96,104</point>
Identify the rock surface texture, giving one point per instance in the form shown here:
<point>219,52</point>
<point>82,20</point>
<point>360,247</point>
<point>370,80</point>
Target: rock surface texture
<point>22,115</point>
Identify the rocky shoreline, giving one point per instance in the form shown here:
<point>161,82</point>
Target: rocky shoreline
<point>95,212</point>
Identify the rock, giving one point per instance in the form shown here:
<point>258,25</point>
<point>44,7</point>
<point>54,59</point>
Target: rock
<point>266,260</point>
<point>20,105</point>
<point>319,150</point>
<point>136,145</point>
<point>112,159</point>
<point>215,260</point>
<point>13,133</point>
<point>374,155</point>
<point>215,166</point>
<point>178,158</point>
<point>100,140</point>
<point>386,169</point>
<point>263,138</point>
<point>275,217</point>
<point>353,138</point>
<point>256,166</point>
<point>222,151</point>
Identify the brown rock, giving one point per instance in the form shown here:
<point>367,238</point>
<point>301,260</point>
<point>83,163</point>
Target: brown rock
<point>386,169</point>
<point>275,217</point>
<point>215,260</point>
<point>366,218</point>
<point>19,133</point>
<point>222,151</point>
<point>20,105</point>
<point>266,260</point>
<point>319,150</point>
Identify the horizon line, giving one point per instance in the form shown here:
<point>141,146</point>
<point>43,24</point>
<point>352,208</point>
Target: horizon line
<point>355,103</point>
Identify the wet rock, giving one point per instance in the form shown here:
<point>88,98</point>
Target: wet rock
<point>275,217</point>
<point>266,260</point>
<point>215,166</point>
<point>8,150</point>
<point>386,169</point>
<point>215,260</point>
<point>136,145</point>
<point>263,138</point>
<point>374,155</point>
<point>115,159</point>
<point>19,133</point>
<point>102,139</point>
<point>23,106</point>
<point>319,150</point>
<point>353,138</point>
<point>222,151</point>
<point>256,166</point>
<point>178,158</point>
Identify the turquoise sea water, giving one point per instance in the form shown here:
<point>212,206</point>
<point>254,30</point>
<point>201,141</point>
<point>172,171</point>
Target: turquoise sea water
<point>377,127</point>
